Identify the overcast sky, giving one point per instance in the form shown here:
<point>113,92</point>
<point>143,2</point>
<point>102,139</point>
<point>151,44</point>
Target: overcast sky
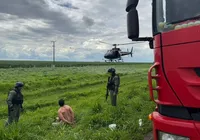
<point>27,28</point>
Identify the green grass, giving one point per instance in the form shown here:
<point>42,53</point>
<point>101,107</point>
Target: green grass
<point>83,88</point>
<point>30,64</point>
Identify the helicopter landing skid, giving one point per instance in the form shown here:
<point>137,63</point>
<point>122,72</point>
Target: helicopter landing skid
<point>114,60</point>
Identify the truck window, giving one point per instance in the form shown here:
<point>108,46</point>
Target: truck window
<point>170,13</point>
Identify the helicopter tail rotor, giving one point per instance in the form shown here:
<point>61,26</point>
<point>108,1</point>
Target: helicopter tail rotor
<point>131,52</point>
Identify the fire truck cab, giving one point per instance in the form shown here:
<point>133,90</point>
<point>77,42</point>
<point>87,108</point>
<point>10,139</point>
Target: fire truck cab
<point>176,45</point>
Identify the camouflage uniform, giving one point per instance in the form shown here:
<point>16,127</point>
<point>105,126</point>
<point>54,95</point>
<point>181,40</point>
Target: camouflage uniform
<point>113,85</point>
<point>15,101</point>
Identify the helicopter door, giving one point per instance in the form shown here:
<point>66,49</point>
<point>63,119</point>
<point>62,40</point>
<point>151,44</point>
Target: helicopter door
<point>117,54</point>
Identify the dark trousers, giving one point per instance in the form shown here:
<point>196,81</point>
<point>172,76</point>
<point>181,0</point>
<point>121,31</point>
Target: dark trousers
<point>113,98</point>
<point>13,116</point>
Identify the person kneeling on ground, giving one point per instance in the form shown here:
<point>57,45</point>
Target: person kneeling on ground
<point>65,113</point>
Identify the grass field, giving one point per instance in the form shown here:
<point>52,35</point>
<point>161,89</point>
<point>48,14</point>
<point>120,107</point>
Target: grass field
<point>29,64</point>
<point>84,89</point>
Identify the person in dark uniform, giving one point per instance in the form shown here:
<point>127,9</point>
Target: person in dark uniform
<point>15,101</point>
<point>113,85</point>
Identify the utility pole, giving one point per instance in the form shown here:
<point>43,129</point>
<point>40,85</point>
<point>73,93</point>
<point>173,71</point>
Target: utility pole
<point>53,53</point>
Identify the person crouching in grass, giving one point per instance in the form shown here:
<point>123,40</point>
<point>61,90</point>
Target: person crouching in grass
<point>65,114</point>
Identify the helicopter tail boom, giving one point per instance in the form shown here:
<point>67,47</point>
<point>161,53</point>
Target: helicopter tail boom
<point>127,53</point>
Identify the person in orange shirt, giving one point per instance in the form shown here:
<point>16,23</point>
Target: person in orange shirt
<point>65,113</point>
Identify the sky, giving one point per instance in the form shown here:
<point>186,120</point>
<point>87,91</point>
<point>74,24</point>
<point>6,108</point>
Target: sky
<point>27,28</point>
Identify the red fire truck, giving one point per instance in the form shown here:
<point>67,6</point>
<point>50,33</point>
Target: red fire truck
<point>176,45</point>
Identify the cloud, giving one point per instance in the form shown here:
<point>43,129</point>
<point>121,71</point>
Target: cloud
<point>68,5</point>
<point>29,26</point>
<point>88,21</point>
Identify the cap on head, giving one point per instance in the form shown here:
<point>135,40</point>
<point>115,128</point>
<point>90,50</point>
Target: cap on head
<point>111,70</point>
<point>19,84</point>
<point>61,102</point>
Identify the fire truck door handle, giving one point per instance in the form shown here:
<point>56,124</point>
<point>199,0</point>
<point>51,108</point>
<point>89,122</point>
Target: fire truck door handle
<point>150,77</point>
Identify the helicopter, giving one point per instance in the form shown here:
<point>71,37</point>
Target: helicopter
<point>115,54</point>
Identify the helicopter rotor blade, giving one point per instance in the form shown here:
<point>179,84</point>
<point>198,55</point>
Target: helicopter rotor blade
<point>87,49</point>
<point>121,43</point>
<point>129,43</point>
<point>105,43</point>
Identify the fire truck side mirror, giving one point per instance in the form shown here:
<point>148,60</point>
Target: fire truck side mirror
<point>131,4</point>
<point>133,24</point>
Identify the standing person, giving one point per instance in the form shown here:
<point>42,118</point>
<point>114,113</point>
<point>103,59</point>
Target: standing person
<point>113,85</point>
<point>15,101</point>
<point>65,113</point>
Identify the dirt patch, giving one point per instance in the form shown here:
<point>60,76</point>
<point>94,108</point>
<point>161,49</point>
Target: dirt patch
<point>149,136</point>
